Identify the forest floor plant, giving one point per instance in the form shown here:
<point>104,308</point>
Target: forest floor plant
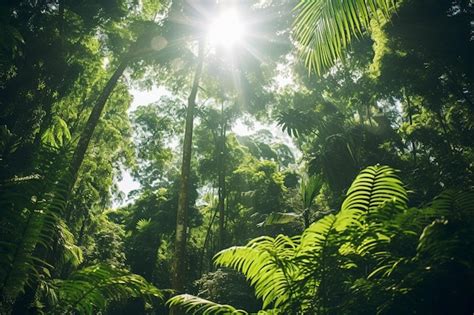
<point>36,242</point>
<point>377,255</point>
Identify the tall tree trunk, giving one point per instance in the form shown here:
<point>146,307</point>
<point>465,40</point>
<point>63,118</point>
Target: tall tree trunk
<point>444,126</point>
<point>221,180</point>
<point>179,259</point>
<point>410,120</point>
<point>306,218</point>
<point>93,120</point>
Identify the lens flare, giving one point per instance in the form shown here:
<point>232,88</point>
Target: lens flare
<point>226,30</point>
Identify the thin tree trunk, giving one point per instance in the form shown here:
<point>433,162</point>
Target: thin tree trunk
<point>179,259</point>
<point>93,120</point>
<point>221,180</point>
<point>206,241</point>
<point>444,126</point>
<point>410,120</point>
<point>94,117</point>
<point>306,218</point>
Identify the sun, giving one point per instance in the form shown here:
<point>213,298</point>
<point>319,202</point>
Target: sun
<point>226,30</point>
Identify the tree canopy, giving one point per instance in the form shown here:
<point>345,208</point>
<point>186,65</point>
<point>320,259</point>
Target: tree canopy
<point>236,157</point>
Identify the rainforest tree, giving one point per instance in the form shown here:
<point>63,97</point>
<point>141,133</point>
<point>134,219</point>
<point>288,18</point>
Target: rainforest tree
<point>236,157</point>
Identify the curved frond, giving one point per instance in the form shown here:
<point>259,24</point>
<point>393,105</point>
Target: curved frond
<point>373,187</point>
<point>324,28</point>
<point>323,234</point>
<point>92,288</point>
<point>281,218</point>
<point>30,218</point>
<point>453,200</point>
<point>196,305</point>
<point>31,208</point>
<point>315,237</point>
<point>268,263</point>
<point>309,189</point>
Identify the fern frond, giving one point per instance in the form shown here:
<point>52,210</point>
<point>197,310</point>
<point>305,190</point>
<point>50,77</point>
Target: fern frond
<point>26,222</point>
<point>374,186</point>
<point>30,210</point>
<point>30,221</point>
<point>267,263</point>
<point>315,237</point>
<point>71,252</point>
<point>91,289</point>
<point>196,305</point>
<point>453,200</point>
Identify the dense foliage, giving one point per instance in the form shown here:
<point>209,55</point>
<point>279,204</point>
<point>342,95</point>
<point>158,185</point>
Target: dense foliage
<point>266,149</point>
<point>376,255</point>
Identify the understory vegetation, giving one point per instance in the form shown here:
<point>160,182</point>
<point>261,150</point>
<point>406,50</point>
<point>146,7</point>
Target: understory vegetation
<point>236,157</point>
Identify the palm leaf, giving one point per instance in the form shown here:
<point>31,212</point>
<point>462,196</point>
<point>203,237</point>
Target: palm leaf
<point>324,28</point>
<point>309,189</point>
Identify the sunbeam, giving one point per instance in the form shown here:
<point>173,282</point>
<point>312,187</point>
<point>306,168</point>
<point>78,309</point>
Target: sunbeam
<point>226,30</point>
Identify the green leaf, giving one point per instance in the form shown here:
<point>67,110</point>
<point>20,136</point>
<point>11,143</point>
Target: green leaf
<point>196,305</point>
<point>324,28</point>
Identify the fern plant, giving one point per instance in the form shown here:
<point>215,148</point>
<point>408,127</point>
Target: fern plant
<point>31,223</point>
<point>290,273</point>
<point>91,289</point>
<point>196,305</point>
<point>375,249</point>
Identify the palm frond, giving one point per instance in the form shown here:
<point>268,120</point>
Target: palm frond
<point>196,305</point>
<point>309,189</point>
<point>324,28</point>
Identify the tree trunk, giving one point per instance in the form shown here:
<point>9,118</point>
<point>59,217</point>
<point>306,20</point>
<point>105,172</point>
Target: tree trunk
<point>206,241</point>
<point>410,120</point>
<point>221,180</point>
<point>92,122</point>
<point>306,218</point>
<point>179,259</point>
